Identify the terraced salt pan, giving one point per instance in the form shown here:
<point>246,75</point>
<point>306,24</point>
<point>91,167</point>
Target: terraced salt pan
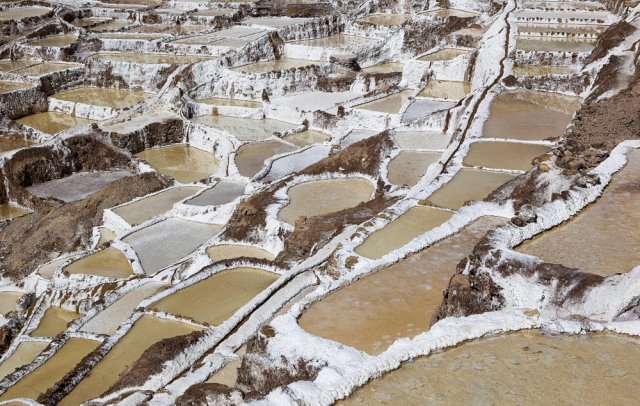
<point>416,221</point>
<point>111,26</point>
<point>307,137</point>
<point>108,320</point>
<point>221,101</point>
<point>9,301</point>
<point>214,12</point>
<point>397,301</point>
<point>100,96</point>
<point>422,108</point>
<point>389,104</point>
<point>12,143</point>
<point>336,41</point>
<point>275,65</point>
<point>314,100</point>
<point>56,41</point>
<point>541,70</point>
<point>408,167</point>
<point>45,68</point>
<point>274,22</point>
<point>246,129</point>
<point>145,332</point>
<point>318,197</point>
<point>52,123</point>
<point>145,209</point>
<point>183,163</point>
<point>503,155</point>
<point>445,54</point>
<point>445,89</point>
<point>218,297</point>
<point>109,262</point>
<point>610,225</point>
<point>54,322</point>
<point>7,65</point>
<point>53,369</point>
<point>555,45</point>
<point>557,29</point>
<point>19,13</point>
<point>388,67</point>
<point>151,59</point>
<point>7,211</point>
<point>450,12</point>
<point>250,158</point>
<point>564,5</point>
<point>222,192</point>
<point>224,252</point>
<point>106,235</point>
<point>529,115</point>
<point>466,185</point>
<point>166,242</point>
<point>6,87</point>
<point>518,368</point>
<point>421,140</point>
<point>24,354</point>
<point>77,186</point>
<point>388,20</point>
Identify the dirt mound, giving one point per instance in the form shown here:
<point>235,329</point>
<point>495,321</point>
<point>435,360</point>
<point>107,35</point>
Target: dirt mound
<point>207,393</point>
<point>65,228</point>
<point>610,39</point>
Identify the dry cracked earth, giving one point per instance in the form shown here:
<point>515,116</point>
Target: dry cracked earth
<point>281,202</point>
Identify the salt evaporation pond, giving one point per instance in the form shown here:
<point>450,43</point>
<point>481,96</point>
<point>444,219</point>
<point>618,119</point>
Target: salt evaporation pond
<point>52,123</point>
<point>307,137</point>
<point>110,262</point>
<point>165,242</point>
<point>416,221</point>
<point>445,89</point>
<point>555,45</point>
<point>250,158</point>
<point>100,96</point>
<point>7,211</point>
<point>518,368</point>
<point>274,65</point>
<point>19,13</point>
<point>147,331</point>
<point>24,354</point>
<point>76,186</point>
<point>6,87</point>
<point>610,225</point>
<point>318,197</point>
<point>468,184</point>
<point>218,297</point>
<point>45,68</point>
<point>223,101</point>
<point>183,163</point>
<point>106,235</point>
<point>388,67</point>
<point>108,320</point>
<point>9,301</point>
<point>389,104</point>
<point>503,155</point>
<point>149,207</point>
<point>54,322</point>
<point>445,54</point>
<point>336,41</point>
<point>246,129</point>
<point>450,12</point>
<point>396,301</point>
<point>8,65</point>
<point>421,139</point>
<point>151,59</point>
<point>388,20</point>
<point>56,41</point>
<point>222,192</point>
<point>421,108</point>
<point>530,116</point>
<point>52,370</point>
<point>542,70</point>
<point>408,167</point>
<point>225,252</point>
<point>8,143</point>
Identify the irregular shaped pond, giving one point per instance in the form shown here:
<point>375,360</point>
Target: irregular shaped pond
<point>149,207</point>
<point>408,167</point>
<point>503,155</point>
<point>250,158</point>
<point>109,262</point>
<point>52,123</point>
<point>184,163</point>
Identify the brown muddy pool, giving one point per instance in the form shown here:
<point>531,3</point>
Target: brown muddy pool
<point>416,221</point>
<point>530,116</point>
<point>109,262</point>
<point>145,209</point>
<point>607,226</point>
<point>318,197</point>
<point>45,68</point>
<point>6,87</point>
<point>100,96</point>
<point>52,370</point>
<point>554,45</point>
<point>56,41</point>
<point>421,139</point>
<point>389,67</point>
<point>503,155</point>
<point>8,211</point>
<point>307,137</point>
<point>18,13</point>
<point>445,89</point>
<point>388,20</point>
<point>408,167</point>
<point>52,123</point>
<point>450,12</point>
<point>542,70</point>
<point>396,301</point>
<point>224,252</point>
<point>9,301</point>
<point>223,101</point>
<point>183,163</point>
<point>8,65</point>
<point>167,241</point>
<point>468,184</point>
<point>389,104</point>
<point>145,332</point>
<point>24,354</point>
<point>251,157</point>
<point>246,129</point>
<point>275,65</point>
<point>445,54</point>
<point>54,322</point>
<point>524,368</point>
<point>218,297</point>
<point>12,143</point>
